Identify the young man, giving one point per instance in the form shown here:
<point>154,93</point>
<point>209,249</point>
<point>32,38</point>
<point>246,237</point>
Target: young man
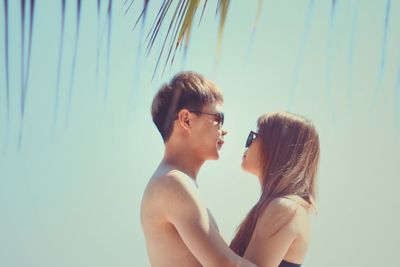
<point>179,230</point>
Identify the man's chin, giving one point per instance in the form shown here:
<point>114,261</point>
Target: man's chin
<point>216,156</point>
<point>213,157</point>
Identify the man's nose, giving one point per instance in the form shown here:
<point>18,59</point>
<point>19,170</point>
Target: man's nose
<point>224,131</point>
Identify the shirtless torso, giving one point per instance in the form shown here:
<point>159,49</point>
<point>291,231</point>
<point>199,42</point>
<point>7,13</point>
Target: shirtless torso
<point>164,244</point>
<point>179,230</point>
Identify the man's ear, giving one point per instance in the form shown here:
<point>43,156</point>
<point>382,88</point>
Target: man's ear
<point>184,118</point>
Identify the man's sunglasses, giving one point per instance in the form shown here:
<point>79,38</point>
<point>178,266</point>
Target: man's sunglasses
<point>250,138</point>
<point>219,117</point>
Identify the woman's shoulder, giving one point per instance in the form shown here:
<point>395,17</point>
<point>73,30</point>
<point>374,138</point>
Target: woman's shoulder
<point>287,204</point>
<point>291,203</point>
<point>286,211</point>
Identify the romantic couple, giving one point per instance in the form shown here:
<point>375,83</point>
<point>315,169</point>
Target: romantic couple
<point>283,153</point>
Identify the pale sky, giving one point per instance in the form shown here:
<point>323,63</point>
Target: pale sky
<point>71,195</point>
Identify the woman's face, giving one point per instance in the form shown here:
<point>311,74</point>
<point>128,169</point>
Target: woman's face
<point>251,161</point>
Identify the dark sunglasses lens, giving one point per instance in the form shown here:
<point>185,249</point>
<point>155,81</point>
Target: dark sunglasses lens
<point>249,139</point>
<point>219,117</point>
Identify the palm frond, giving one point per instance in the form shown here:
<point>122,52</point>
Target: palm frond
<point>78,19</point>
<point>178,23</point>
<point>31,19</point>
<point>165,39</point>
<point>222,9</point>
<point>329,57</point>
<point>5,2</point>
<point>383,55</point>
<point>333,12</point>
<point>130,5</point>
<point>300,56</point>
<point>98,42</point>
<point>179,27</point>
<point>188,21</point>
<point>385,34</point>
<point>23,6</point>
<point>7,87</point>
<point>142,14</point>
<point>176,30</point>
<point>109,16</point>
<point>157,24</point>
<point>255,24</point>
<point>25,69</point>
<point>60,54</point>
<point>202,12</point>
<point>23,89</point>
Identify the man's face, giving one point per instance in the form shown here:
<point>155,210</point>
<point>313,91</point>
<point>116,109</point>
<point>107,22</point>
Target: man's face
<point>207,131</point>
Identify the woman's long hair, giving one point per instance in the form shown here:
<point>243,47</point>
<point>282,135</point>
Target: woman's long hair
<point>289,156</point>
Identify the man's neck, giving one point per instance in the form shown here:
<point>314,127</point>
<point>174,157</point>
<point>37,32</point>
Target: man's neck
<point>183,161</point>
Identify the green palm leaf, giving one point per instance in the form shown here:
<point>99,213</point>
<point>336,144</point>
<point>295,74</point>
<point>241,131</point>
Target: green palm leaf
<point>222,9</point>
<point>180,26</point>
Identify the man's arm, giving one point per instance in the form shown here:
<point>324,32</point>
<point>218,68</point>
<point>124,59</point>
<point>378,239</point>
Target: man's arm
<point>185,211</point>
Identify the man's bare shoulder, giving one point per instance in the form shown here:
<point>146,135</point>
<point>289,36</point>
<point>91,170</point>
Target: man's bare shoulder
<point>169,187</point>
<point>171,181</point>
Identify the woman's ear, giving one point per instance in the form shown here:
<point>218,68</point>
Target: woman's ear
<point>184,118</point>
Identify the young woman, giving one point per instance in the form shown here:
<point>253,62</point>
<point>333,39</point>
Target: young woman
<point>284,155</point>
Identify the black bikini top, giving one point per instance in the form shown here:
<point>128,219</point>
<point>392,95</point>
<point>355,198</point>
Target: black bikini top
<point>288,264</point>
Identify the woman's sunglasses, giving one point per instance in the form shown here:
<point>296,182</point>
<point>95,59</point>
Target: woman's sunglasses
<point>250,138</point>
